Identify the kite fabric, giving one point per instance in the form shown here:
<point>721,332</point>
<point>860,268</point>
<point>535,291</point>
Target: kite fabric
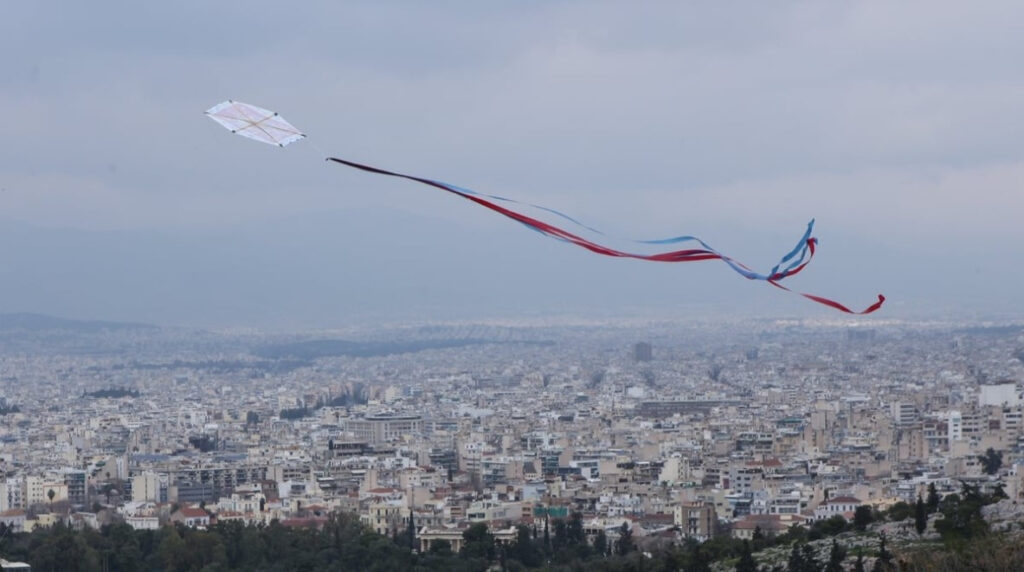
<point>255,123</point>
<point>796,260</point>
<point>268,127</point>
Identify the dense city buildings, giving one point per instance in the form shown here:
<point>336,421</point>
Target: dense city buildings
<point>724,430</point>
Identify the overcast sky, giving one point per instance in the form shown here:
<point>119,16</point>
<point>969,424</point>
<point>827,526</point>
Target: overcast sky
<point>898,126</point>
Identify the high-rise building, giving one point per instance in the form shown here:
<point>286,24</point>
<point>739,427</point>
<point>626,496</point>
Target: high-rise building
<point>904,413</point>
<point>695,519</point>
<point>75,480</point>
<point>146,487</point>
<point>955,427</point>
<point>378,429</point>
<point>1002,393</point>
<point>642,352</point>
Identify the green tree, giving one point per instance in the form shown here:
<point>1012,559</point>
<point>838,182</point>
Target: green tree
<point>561,535</point>
<point>758,540</point>
<point>998,493</point>
<point>900,511</point>
<point>126,550</point>
<point>811,563</point>
<point>547,536</point>
<point>408,538</point>
<point>478,542</point>
<point>172,551</point>
<point>441,547</point>
<point>525,549</point>
<point>796,561</point>
<point>746,562</point>
<point>884,561</point>
<point>991,461</point>
<point>624,545</point>
<point>829,527</point>
<point>862,517</point>
<point>835,557</point>
<point>920,516</point>
<point>574,533</point>
<point>795,533</point>
<point>858,565</point>
<point>961,515</point>
<point>601,543</point>
<point>204,549</point>
<point>699,560</point>
<point>932,502</point>
<point>61,548</point>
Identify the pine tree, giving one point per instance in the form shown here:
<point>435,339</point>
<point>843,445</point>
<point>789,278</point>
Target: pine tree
<point>884,561</point>
<point>810,562</point>
<point>601,543</point>
<point>574,530</point>
<point>920,516</point>
<point>991,461</point>
<point>933,498</point>
<point>747,562</point>
<point>411,531</point>
<point>547,537</point>
<point>624,545</point>
<point>862,517</point>
<point>796,559</point>
<point>699,561</point>
<point>836,557</point>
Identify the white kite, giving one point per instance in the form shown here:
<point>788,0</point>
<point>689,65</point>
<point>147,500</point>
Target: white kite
<point>255,123</point>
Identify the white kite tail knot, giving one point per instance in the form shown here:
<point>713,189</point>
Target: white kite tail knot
<point>255,123</point>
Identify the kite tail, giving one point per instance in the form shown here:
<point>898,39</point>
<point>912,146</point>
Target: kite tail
<point>792,263</point>
<point>833,303</point>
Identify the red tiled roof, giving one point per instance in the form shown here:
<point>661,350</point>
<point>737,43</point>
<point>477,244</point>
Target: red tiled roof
<point>192,512</point>
<point>303,522</point>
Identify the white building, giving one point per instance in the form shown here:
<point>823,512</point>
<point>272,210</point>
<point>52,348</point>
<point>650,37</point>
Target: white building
<point>904,413</point>
<point>842,506</point>
<point>1003,393</point>
<point>955,427</point>
<point>378,429</point>
<point>143,522</point>
<point>38,489</point>
<point>146,487</point>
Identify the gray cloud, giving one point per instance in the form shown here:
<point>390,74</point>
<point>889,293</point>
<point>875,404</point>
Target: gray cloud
<point>894,125</point>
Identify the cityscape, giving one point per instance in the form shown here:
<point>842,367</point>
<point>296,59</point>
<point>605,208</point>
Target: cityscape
<point>667,432</point>
<point>552,286</point>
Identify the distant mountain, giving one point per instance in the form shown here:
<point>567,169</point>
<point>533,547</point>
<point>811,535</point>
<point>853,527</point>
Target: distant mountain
<point>313,349</point>
<point>41,322</point>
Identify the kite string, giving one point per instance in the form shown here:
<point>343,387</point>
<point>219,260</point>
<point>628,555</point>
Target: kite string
<point>316,147</point>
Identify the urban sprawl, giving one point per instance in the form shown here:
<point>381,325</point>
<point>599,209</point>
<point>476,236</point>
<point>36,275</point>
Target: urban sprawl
<point>668,431</point>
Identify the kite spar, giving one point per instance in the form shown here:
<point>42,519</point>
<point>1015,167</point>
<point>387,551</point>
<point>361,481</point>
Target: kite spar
<point>255,123</point>
<point>268,127</point>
